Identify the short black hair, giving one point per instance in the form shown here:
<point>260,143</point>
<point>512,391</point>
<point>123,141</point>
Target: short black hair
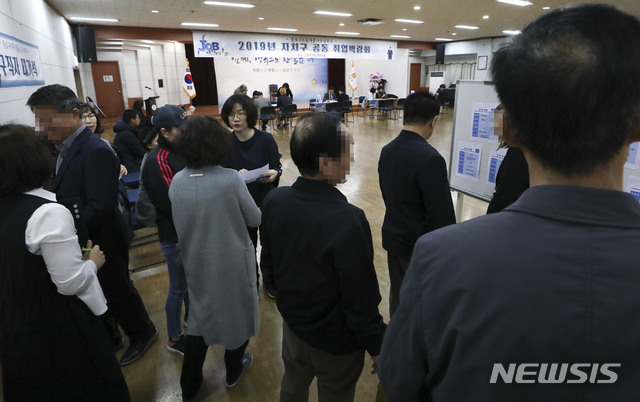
<point>204,142</point>
<point>63,98</point>
<point>247,104</point>
<point>420,107</point>
<point>25,162</point>
<point>146,132</point>
<point>137,106</point>
<point>256,93</point>
<point>129,115</point>
<point>84,108</point>
<point>569,84</point>
<point>316,135</point>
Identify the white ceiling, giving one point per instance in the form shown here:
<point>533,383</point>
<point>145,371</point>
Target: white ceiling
<point>439,16</point>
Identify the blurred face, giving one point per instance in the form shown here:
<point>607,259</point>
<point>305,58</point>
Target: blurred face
<point>135,122</point>
<point>90,119</point>
<point>335,170</point>
<point>56,125</point>
<point>238,118</point>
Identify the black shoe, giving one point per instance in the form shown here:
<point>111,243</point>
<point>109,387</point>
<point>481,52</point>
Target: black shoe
<point>137,348</point>
<point>246,363</point>
<point>264,127</point>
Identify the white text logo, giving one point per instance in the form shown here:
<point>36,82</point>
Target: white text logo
<point>555,373</point>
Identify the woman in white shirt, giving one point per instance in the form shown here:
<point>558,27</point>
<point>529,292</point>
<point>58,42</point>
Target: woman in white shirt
<point>52,342</point>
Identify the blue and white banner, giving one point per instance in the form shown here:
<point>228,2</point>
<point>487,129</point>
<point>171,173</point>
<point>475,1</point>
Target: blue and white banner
<point>19,63</point>
<point>277,48</point>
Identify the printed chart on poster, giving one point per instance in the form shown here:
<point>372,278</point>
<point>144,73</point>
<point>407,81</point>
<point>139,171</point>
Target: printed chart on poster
<point>631,178</point>
<point>475,157</point>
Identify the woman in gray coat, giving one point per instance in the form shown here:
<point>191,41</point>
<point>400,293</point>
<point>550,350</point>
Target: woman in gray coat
<point>211,211</point>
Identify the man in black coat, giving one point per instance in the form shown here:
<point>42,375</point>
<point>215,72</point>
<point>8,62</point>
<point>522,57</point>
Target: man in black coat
<point>415,189</point>
<point>86,182</point>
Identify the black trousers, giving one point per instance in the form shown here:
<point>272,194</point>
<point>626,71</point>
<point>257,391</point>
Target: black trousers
<point>123,299</point>
<point>194,355</point>
<point>397,269</point>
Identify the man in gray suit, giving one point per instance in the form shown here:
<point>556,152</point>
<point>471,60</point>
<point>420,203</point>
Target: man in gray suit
<point>537,302</point>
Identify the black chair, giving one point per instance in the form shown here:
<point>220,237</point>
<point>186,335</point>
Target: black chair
<point>334,109</point>
<point>399,106</point>
<point>385,107</point>
<point>268,114</point>
<point>289,112</point>
<point>345,108</point>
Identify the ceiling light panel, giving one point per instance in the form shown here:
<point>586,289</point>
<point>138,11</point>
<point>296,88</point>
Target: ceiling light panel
<point>226,4</point>
<point>332,13</point>
<point>409,21</point>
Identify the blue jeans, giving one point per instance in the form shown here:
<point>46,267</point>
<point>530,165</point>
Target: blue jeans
<point>177,289</point>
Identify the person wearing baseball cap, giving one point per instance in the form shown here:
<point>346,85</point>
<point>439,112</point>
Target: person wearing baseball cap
<point>162,163</point>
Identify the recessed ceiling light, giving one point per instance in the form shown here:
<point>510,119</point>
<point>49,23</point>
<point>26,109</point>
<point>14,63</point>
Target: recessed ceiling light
<point>399,36</point>
<point>225,4</point>
<point>404,29</point>
<point>409,21</point>
<point>347,33</point>
<point>93,19</point>
<point>453,33</point>
<point>417,7</point>
<point>444,39</point>
<point>333,13</point>
<point>147,41</point>
<point>155,11</point>
<point>511,32</point>
<point>341,24</point>
<point>283,29</point>
<point>485,17</point>
<point>520,3</point>
<point>546,8</point>
<point>466,27</point>
<point>261,18</point>
<point>199,24</point>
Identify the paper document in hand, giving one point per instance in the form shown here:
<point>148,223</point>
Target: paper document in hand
<point>252,175</point>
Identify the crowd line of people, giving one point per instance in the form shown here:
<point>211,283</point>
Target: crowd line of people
<point>477,308</point>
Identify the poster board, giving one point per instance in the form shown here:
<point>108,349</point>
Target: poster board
<point>475,158</point>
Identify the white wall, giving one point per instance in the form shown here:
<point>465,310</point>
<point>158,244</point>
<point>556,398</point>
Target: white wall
<point>395,71</point>
<point>142,67</point>
<point>34,22</point>
<point>483,47</point>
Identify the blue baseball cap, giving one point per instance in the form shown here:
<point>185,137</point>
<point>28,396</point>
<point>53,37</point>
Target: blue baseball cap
<point>169,116</point>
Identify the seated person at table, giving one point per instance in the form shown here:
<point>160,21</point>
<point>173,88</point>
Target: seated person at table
<point>283,101</point>
<point>342,96</point>
<point>329,96</point>
<point>261,102</point>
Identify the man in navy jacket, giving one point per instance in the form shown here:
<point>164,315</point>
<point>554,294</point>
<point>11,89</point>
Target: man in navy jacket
<point>86,182</point>
<point>539,302</point>
<point>415,189</point>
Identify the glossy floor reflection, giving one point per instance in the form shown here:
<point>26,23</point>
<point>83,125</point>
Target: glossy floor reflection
<point>156,376</point>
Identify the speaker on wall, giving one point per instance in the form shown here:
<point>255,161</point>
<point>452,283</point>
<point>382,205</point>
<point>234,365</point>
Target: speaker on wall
<point>86,45</point>
<point>440,53</point>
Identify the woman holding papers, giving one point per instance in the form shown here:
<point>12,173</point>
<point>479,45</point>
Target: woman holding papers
<point>211,209</point>
<point>251,149</point>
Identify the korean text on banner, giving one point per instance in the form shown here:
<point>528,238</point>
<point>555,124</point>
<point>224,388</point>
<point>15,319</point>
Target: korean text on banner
<point>19,63</point>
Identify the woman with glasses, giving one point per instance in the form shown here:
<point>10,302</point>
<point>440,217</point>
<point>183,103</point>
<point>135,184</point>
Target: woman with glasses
<point>91,119</point>
<point>251,149</point>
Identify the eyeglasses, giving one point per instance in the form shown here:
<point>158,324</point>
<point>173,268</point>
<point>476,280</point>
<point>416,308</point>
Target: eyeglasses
<point>241,115</point>
<point>89,116</point>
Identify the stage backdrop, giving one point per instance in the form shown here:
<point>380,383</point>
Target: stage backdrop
<point>258,60</point>
<point>307,78</point>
